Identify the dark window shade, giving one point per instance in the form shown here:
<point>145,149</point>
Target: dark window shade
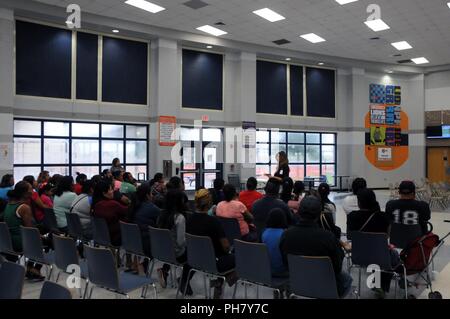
<point>271,87</point>
<point>202,80</point>
<point>43,60</point>
<point>320,92</point>
<point>296,75</point>
<point>125,65</point>
<point>87,65</point>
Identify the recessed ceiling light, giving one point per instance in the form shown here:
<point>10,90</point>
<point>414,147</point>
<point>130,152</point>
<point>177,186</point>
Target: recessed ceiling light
<point>288,59</point>
<point>421,60</point>
<point>377,25</point>
<point>342,2</point>
<point>313,38</point>
<point>209,46</point>
<point>145,5</point>
<point>211,30</point>
<point>320,63</point>
<point>115,31</point>
<point>390,71</point>
<point>448,3</point>
<point>269,15</point>
<point>402,45</point>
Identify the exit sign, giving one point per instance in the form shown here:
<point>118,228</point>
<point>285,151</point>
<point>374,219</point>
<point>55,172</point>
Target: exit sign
<point>205,118</point>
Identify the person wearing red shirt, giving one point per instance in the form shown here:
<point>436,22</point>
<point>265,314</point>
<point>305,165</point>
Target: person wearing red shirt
<point>104,206</point>
<point>250,196</point>
<point>80,179</point>
<point>35,202</point>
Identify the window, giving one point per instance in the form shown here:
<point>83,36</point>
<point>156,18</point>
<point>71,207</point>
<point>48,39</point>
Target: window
<point>43,60</point>
<point>279,83</point>
<point>124,71</point>
<point>202,80</point>
<point>309,154</point>
<point>87,66</point>
<point>70,147</point>
<point>320,92</point>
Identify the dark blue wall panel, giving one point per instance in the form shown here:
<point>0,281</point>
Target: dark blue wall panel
<point>125,65</point>
<point>202,80</point>
<point>87,64</point>
<point>271,88</point>
<point>43,60</point>
<point>320,92</point>
<point>296,75</point>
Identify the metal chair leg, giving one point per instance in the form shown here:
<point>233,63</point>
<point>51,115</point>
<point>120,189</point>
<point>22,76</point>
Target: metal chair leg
<point>206,289</point>
<point>359,283</point>
<point>235,289</point>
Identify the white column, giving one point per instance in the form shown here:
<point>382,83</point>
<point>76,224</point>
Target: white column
<point>6,83</point>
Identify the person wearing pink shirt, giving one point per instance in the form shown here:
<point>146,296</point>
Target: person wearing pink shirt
<point>232,208</point>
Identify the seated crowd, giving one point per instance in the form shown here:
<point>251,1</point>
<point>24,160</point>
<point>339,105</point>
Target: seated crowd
<point>286,218</point>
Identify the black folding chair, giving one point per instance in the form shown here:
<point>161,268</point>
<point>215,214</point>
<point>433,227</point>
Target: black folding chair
<point>33,249</point>
<point>132,241</point>
<point>12,277</point>
<point>51,290</point>
<point>231,228</point>
<point>6,246</point>
<point>103,273</point>
<point>403,235</point>
<point>253,267</point>
<point>163,250</point>
<point>312,277</point>
<point>202,258</point>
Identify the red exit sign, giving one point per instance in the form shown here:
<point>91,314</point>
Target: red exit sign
<point>205,118</point>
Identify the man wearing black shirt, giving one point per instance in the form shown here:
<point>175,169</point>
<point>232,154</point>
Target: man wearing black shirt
<point>308,239</point>
<point>262,207</point>
<point>407,210</point>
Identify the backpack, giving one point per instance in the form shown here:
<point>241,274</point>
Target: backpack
<point>416,256</point>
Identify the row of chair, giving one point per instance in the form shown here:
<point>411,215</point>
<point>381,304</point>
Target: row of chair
<point>201,257</point>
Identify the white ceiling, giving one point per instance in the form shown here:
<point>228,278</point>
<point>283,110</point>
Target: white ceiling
<point>425,24</point>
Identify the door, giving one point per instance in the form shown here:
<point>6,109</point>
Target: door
<point>202,153</point>
<point>438,165</point>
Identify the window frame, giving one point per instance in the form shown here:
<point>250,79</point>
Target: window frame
<point>101,163</point>
<point>305,163</point>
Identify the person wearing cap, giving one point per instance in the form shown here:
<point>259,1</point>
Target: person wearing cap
<point>308,239</point>
<point>262,207</point>
<point>201,224</point>
<point>407,210</point>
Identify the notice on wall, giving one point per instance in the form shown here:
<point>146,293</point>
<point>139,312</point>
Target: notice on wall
<point>167,127</point>
<point>384,154</point>
<point>6,156</point>
<point>249,134</point>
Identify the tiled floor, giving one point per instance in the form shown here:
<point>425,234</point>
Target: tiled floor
<point>441,283</point>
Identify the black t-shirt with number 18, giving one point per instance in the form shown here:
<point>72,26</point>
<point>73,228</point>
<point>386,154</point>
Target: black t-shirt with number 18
<point>409,212</point>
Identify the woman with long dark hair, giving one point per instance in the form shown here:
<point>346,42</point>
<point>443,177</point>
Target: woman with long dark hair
<point>35,202</point>
<point>283,169</point>
<point>174,219</point>
<point>17,214</point>
<point>104,206</point>
<point>6,185</point>
<point>62,202</point>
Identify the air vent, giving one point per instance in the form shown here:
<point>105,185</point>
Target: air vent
<point>196,4</point>
<point>281,42</point>
<point>219,23</point>
<point>375,38</point>
<point>404,61</point>
<point>397,55</point>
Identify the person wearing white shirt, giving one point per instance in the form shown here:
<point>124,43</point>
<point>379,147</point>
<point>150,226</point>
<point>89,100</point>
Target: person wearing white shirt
<point>350,203</point>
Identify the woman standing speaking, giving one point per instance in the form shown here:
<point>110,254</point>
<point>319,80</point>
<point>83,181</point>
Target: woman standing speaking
<point>282,171</point>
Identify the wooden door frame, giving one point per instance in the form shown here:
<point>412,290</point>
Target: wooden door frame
<point>426,156</point>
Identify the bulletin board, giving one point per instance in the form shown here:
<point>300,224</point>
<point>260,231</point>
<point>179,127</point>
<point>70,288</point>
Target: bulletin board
<point>387,124</point>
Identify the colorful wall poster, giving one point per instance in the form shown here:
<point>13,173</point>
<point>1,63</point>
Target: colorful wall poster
<point>377,114</point>
<point>398,95</point>
<point>390,94</point>
<point>377,94</point>
<point>377,135</point>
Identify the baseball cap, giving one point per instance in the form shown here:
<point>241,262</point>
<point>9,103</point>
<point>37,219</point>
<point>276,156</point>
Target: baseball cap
<point>310,208</point>
<point>406,188</point>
